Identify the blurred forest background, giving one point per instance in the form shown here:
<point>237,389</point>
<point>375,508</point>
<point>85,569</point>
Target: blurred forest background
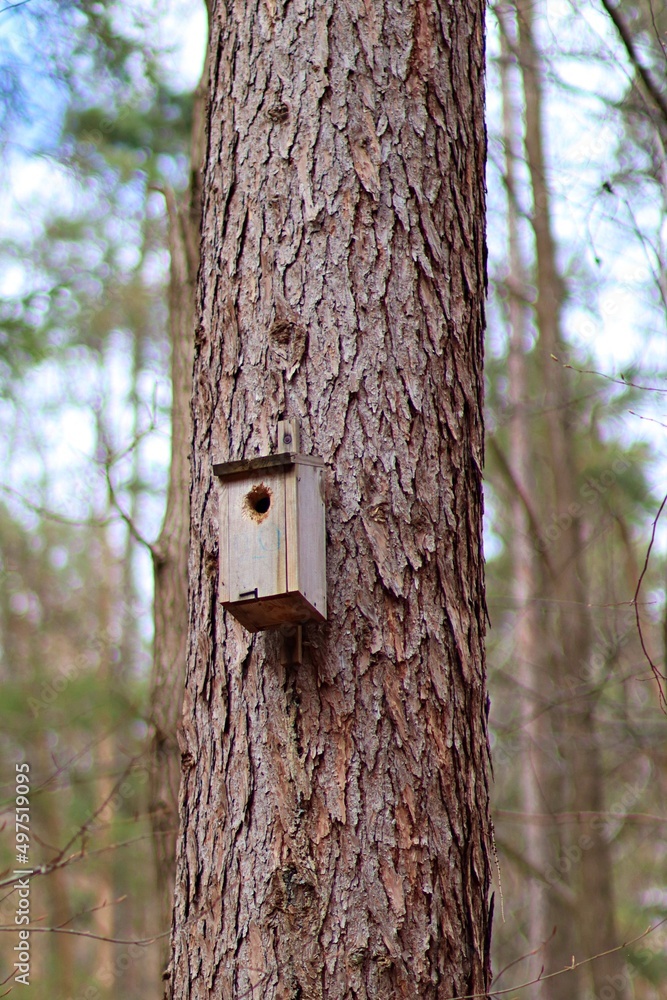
<point>97,113</point>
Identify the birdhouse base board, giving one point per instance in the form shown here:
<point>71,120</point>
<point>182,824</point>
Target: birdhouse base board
<point>260,613</point>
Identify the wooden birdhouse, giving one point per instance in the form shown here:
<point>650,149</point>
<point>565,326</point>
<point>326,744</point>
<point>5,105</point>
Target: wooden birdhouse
<point>272,537</point>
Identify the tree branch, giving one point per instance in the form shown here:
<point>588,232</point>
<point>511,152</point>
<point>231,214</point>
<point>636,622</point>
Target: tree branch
<point>660,677</point>
<point>508,472</point>
<point>646,78</point>
<point>96,937</point>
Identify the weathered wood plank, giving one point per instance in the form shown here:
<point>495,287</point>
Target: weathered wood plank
<point>311,539</point>
<point>256,531</point>
<point>223,548</point>
<point>245,465</point>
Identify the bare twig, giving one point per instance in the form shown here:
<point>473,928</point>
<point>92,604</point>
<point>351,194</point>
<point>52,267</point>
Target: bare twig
<point>13,6</point>
<point>610,378</point>
<point>626,37</point>
<point>115,503</point>
<point>92,909</point>
<point>560,972</point>
<point>656,30</point>
<point>517,486</point>
<point>88,934</point>
<point>572,817</point>
<point>52,515</point>
<point>659,676</point>
<point>653,420</point>
<point>46,869</point>
<point>523,958</point>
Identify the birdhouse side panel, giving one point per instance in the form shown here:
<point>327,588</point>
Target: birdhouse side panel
<point>311,538</point>
<point>292,529</point>
<point>257,561</point>
<point>223,542</point>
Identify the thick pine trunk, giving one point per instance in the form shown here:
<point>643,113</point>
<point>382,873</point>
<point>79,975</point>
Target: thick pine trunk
<point>334,814</point>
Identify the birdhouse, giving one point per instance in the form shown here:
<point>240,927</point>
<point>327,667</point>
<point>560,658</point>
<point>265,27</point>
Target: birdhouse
<point>272,537</point>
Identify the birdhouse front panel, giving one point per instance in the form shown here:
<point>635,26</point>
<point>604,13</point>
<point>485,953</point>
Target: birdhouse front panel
<point>272,540</point>
<point>258,552</point>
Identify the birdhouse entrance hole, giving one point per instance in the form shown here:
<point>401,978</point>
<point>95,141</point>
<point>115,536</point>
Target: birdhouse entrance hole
<point>257,502</point>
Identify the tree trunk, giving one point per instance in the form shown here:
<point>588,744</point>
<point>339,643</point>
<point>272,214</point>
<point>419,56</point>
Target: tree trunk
<point>334,814</point>
<point>105,765</point>
<point>577,781</point>
<point>528,641</point>
<point>170,553</point>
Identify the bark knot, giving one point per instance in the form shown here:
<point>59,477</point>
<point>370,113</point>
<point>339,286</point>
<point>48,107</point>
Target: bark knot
<point>278,112</point>
<point>287,336</point>
<point>295,891</point>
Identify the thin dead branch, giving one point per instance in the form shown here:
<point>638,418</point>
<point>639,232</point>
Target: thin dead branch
<point>560,972</point>
<point>625,35</point>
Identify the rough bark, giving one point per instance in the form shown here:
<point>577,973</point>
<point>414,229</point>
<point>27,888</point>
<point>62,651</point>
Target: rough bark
<point>170,553</point>
<point>334,814</point>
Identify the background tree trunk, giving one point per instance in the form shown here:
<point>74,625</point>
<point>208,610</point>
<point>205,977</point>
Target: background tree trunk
<point>334,814</point>
<point>581,859</point>
<point>528,641</point>
<point>170,553</point>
